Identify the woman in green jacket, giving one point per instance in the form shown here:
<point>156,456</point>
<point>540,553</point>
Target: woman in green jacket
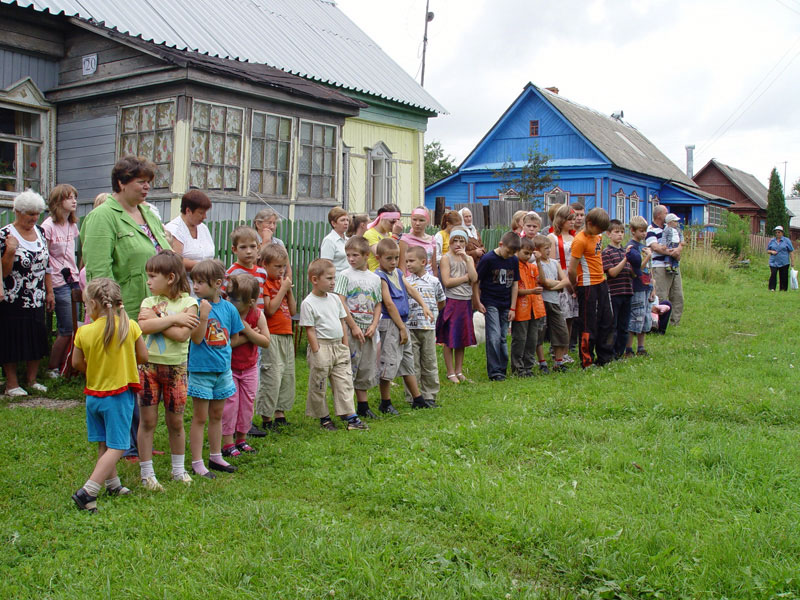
<point>119,236</point>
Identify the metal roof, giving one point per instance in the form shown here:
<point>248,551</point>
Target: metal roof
<point>747,183</point>
<point>309,38</point>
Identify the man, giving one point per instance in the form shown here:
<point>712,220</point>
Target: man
<point>668,282</point>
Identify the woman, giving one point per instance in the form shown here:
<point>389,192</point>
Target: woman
<point>475,247</point>
<point>358,225</point>
<point>780,257</point>
<point>120,235</point>
<point>332,246</point>
<point>561,243</point>
<point>28,291</point>
<point>420,217</point>
<point>190,236</point>
<point>381,228</point>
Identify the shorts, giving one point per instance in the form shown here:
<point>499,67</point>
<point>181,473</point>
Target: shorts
<point>63,310</point>
<point>556,325</point>
<point>167,382</point>
<point>394,359</point>
<point>640,321</point>
<point>363,360</point>
<point>211,386</point>
<point>108,419</point>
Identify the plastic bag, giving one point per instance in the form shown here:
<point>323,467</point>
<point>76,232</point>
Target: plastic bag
<point>793,279</point>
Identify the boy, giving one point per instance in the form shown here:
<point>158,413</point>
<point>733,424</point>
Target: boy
<point>210,378</point>
<point>531,223</point>
<point>527,328</point>
<point>594,303</point>
<point>580,215</point>
<point>620,284</point>
<point>322,314</point>
<point>638,255</point>
<point>673,238</point>
<point>552,279</point>
<point>498,277</point>
<point>276,378</point>
<point>360,291</point>
<point>396,355</point>
<point>244,241</point>
<point>422,329</point>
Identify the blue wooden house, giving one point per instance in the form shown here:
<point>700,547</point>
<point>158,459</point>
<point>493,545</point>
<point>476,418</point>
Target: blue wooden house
<point>600,160</point>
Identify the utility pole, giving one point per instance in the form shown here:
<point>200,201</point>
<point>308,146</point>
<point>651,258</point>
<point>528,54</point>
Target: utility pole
<point>784,176</point>
<point>428,19</point>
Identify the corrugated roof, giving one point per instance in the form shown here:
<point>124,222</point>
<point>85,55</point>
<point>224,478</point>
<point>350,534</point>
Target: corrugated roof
<point>747,183</point>
<point>624,146</point>
<point>310,38</point>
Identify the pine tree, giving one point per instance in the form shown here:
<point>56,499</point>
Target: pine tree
<point>776,205</point>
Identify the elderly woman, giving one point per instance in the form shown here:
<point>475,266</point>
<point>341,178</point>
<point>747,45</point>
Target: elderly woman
<point>28,290</point>
<point>780,257</point>
<point>475,247</point>
<point>332,246</point>
<point>120,235</point>
<point>190,236</point>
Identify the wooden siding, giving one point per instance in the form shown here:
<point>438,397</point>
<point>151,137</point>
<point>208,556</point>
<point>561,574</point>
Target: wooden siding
<point>112,58</point>
<point>15,66</point>
<point>713,181</point>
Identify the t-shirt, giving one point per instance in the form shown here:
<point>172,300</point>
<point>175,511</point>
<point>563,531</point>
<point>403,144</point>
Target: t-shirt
<point>530,305</point>
<point>428,245</point>
<point>397,293</point>
<point>641,277</point>
<point>61,245</point>
<point>655,235</point>
<point>213,353</point>
<point>245,355</point>
<point>496,276</point>
<point>161,349</point>
<point>373,236</point>
<point>621,284</point>
<point>325,314</point>
<point>550,271</point>
<point>442,239</point>
<point>258,272</point>
<point>332,248</point>
<point>361,291</point>
<point>588,250</point>
<point>432,293</point>
<point>280,323</point>
<point>110,369</point>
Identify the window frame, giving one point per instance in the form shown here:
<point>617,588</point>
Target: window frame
<point>238,190</point>
<point>620,204</point>
<point>390,183</point>
<point>121,132</point>
<point>634,204</point>
<point>335,151</point>
<point>533,128</point>
<point>556,191</point>
<point>293,132</point>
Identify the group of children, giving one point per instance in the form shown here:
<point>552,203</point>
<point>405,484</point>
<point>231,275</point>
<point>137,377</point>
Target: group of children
<point>227,340</point>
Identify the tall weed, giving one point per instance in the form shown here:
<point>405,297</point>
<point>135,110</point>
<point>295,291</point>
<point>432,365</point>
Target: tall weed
<point>706,264</point>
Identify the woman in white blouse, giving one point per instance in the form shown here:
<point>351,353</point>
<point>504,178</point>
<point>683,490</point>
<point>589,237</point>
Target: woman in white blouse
<point>190,236</point>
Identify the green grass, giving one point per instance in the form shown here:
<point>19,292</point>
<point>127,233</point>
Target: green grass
<point>671,476</point>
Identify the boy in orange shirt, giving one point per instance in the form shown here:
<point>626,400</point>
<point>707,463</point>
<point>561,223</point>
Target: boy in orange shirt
<point>594,303</point>
<point>527,328</point>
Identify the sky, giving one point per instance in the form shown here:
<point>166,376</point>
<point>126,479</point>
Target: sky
<point>723,75</point>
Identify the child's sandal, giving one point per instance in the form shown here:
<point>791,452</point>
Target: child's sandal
<point>463,378</point>
<point>453,378</point>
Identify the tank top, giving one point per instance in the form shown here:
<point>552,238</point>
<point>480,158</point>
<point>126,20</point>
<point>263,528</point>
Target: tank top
<point>246,355</point>
<point>550,271</point>
<point>463,291</point>
<point>563,251</point>
<point>397,293</point>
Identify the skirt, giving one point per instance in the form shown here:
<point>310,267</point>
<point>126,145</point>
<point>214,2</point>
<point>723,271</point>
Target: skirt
<point>568,304</point>
<point>24,333</point>
<point>454,326</point>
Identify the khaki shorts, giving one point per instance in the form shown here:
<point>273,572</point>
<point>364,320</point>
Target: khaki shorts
<point>364,359</point>
<point>556,325</point>
<point>396,359</point>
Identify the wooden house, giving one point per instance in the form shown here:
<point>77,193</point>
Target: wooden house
<point>600,161</point>
<point>219,95</point>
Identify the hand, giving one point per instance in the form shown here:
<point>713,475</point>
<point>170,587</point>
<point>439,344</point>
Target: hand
<point>403,335</point>
<point>537,290</point>
<point>397,228</point>
<point>185,319</point>
<point>481,308</point>
<point>371,331</point>
<point>462,252</point>
<point>50,301</point>
<point>286,282</point>
<point>427,312</point>
<point>357,333</point>
<point>205,309</point>
<point>512,312</point>
<point>266,234</point>
<point>11,244</point>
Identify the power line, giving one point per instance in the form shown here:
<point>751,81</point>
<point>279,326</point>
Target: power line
<point>787,6</point>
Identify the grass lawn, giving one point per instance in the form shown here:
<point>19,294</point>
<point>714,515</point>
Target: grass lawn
<point>671,476</point>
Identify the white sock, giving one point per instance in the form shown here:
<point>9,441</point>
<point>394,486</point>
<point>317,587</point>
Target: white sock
<point>92,488</point>
<point>217,458</point>
<point>146,467</point>
<point>199,468</point>
<point>112,484</point>
<point>178,467</point>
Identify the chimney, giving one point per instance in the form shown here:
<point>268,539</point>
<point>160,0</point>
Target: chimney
<point>690,161</point>
<point>553,89</point>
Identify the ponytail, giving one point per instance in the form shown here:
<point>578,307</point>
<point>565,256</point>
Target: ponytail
<point>107,294</point>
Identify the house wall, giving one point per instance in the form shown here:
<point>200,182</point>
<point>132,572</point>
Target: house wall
<point>713,181</point>
<point>15,65</point>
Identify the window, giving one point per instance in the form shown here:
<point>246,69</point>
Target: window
<point>762,227</point>
<point>510,194</point>
<point>634,205</point>
<point>317,164</point>
<point>20,150</point>
<point>620,195</point>
<point>270,154</point>
<point>216,149</point>
<point>148,130</point>
<point>382,184</point>
<point>555,196</point>
<point>534,128</point>
<point>715,215</point>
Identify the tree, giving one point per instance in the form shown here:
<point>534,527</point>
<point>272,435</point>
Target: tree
<point>528,180</point>
<point>437,164</point>
<point>796,188</point>
<point>776,204</point>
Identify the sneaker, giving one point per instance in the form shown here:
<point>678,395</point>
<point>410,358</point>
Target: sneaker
<point>420,403</point>
<point>498,378</point>
<point>629,352</point>
<point>559,368</point>
<point>328,425</point>
<point>544,370</point>
<point>430,403</point>
<point>568,360</point>
<point>151,483</point>
<point>17,391</point>
<point>38,387</point>
<point>356,424</point>
<point>367,412</point>
<point>245,447</point>
<point>53,374</point>
<point>84,501</point>
<point>215,466</point>
<point>118,491</point>
<point>388,409</point>
<point>256,432</point>
<point>641,351</point>
<point>231,451</point>
<point>280,422</point>
<point>183,478</point>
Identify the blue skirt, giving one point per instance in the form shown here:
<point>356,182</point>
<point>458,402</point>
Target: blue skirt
<point>454,326</point>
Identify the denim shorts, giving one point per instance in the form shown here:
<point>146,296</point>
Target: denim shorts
<point>108,419</point>
<point>640,320</point>
<point>63,309</point>
<point>211,386</point>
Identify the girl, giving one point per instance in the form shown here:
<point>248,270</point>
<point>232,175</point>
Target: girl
<point>450,219</point>
<point>516,221</point>
<point>417,237</point>
<point>107,350</point>
<point>358,225</point>
<point>167,318</point>
<point>561,244</point>
<point>210,377</point>
<point>237,416</point>
<point>454,326</point>
<point>61,231</point>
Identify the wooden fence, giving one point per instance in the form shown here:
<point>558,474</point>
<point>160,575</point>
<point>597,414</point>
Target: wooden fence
<point>758,243</point>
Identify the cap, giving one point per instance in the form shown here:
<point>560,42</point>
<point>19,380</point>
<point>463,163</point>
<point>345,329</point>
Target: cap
<point>778,228</point>
<point>671,217</point>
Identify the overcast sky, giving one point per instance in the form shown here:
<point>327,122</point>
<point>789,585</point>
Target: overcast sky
<point>721,74</point>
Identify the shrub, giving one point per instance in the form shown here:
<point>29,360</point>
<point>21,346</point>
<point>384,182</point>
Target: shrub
<point>706,264</point>
<point>734,236</point>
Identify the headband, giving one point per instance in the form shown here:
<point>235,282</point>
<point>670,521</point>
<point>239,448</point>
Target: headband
<point>459,233</point>
<point>382,216</point>
<point>422,212</point>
